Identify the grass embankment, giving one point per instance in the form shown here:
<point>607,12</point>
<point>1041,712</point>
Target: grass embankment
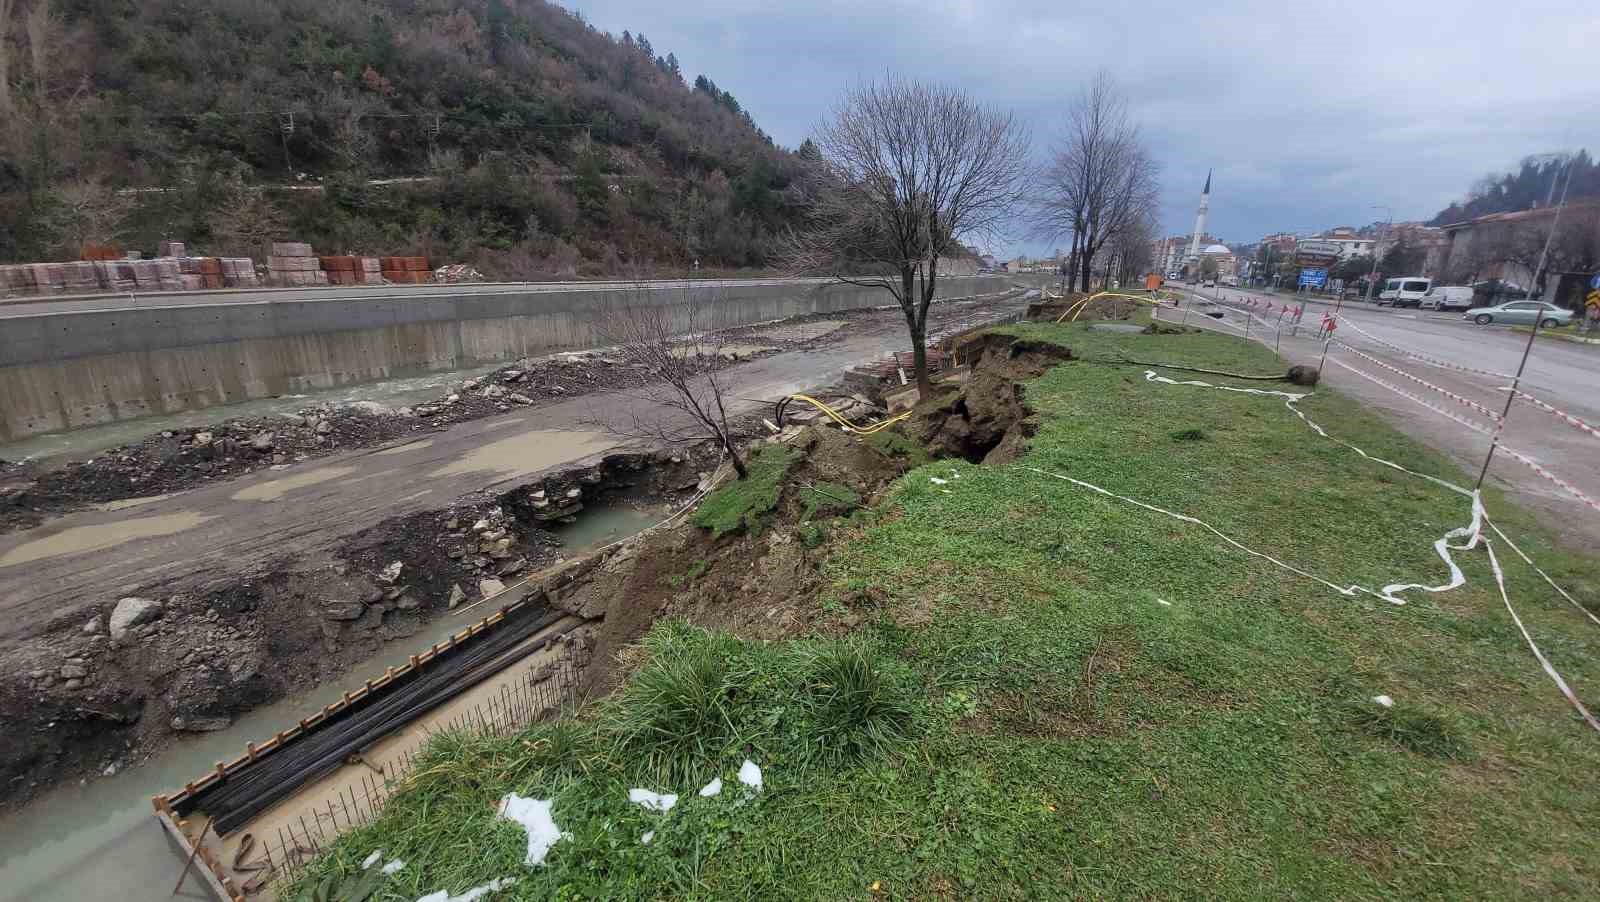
<point>1057,694</point>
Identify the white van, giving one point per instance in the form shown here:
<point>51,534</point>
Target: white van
<point>1447,297</point>
<point>1406,291</point>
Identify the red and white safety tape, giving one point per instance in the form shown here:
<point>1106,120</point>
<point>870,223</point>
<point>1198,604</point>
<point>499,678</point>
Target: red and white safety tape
<point>1568,418</point>
<point>1475,427</point>
<point>1468,402</point>
<point>1560,483</point>
<point>1424,357</point>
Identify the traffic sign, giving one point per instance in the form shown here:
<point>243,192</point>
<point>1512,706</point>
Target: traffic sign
<point>1314,278</point>
<point>1594,281</point>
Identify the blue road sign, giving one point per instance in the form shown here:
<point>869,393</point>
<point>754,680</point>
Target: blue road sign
<point>1313,278</point>
<point>1594,281</point>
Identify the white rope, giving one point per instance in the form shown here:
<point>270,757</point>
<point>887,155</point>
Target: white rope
<point>1442,545</point>
<point>1499,580</point>
<point>1529,561</point>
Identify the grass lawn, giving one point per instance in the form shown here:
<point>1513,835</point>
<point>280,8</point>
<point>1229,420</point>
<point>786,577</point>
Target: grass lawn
<point>1055,694</point>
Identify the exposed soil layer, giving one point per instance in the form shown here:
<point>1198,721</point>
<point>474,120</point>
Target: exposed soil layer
<point>91,696</point>
<point>986,421</point>
<point>97,694</point>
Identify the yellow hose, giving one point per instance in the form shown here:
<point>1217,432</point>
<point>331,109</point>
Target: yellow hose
<point>1078,308</point>
<point>845,424</point>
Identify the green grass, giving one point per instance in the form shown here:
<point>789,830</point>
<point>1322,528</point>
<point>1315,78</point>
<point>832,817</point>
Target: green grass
<point>827,498</point>
<point>1021,716</point>
<point>741,504</point>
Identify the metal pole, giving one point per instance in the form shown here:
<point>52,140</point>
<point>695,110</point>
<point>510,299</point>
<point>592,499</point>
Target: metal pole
<point>1278,342</point>
<point>1377,246</point>
<point>1532,334</point>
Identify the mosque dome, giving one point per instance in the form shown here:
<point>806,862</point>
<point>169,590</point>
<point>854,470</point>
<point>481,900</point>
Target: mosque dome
<point>1217,249</point>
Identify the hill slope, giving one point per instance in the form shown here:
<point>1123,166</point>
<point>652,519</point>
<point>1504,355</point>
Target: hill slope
<point>1524,189</point>
<point>541,144</point>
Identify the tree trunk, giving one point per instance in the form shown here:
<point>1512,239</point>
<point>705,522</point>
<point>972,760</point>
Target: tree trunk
<point>734,457</point>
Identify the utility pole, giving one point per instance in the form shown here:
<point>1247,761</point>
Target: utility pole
<point>1532,333</point>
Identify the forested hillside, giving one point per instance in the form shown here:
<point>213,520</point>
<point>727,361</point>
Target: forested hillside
<point>1526,188</point>
<point>527,142</point>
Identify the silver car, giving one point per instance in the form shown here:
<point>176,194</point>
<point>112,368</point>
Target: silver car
<point>1522,313</point>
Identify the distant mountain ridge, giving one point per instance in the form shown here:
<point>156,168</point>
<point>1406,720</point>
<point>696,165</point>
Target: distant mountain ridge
<point>550,146</point>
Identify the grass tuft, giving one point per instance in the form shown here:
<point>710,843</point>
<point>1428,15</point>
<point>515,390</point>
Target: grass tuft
<point>741,505</point>
<point>1190,435</point>
<point>1415,728</point>
<point>860,703</point>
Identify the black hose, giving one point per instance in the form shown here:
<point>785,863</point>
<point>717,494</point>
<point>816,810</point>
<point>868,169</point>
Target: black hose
<point>241,795</point>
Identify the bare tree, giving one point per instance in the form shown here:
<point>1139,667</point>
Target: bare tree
<point>677,339</point>
<point>244,219</point>
<point>908,171</point>
<point>85,211</point>
<point>1100,181</point>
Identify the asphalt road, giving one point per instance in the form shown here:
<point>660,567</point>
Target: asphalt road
<point>33,306</point>
<point>1562,374</point>
<point>52,572</point>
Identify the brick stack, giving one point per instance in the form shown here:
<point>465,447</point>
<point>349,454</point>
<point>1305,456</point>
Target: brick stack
<point>171,249</point>
<point>371,270</point>
<point>116,275</point>
<point>292,263</point>
<point>79,276</point>
<point>188,268</point>
<point>405,270</point>
<point>17,278</point>
<point>239,272</point>
<point>341,270</point>
<point>48,277</point>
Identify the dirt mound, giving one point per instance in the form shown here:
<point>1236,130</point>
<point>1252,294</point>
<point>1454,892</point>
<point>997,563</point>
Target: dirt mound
<point>758,584</point>
<point>1052,309</point>
<point>987,421</point>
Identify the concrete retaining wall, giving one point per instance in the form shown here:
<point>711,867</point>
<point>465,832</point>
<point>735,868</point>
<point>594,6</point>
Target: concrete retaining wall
<point>68,370</point>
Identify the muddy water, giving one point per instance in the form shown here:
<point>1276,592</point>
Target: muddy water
<point>100,841</point>
<point>527,453</point>
<point>82,443</point>
<point>81,539</point>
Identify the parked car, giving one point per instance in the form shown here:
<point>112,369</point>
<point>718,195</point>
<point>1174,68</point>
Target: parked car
<point>1211,283</point>
<point>1446,297</point>
<point>1406,291</point>
<point>1521,313</point>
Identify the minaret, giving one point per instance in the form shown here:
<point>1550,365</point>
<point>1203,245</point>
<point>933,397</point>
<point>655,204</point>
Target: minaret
<point>1200,219</point>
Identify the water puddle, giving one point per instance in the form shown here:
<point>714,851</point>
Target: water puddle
<point>80,539</point>
<point>126,503</point>
<point>274,489</point>
<point>404,449</point>
<point>732,352</point>
<point>598,526</point>
<point>100,840</point>
<point>527,453</point>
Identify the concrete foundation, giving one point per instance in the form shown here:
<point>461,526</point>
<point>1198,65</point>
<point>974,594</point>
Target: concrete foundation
<point>62,371</point>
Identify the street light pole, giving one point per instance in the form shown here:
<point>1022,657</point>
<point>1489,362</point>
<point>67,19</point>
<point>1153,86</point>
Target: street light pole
<point>1372,275</point>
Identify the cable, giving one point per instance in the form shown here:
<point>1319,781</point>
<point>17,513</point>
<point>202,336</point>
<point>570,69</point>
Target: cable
<point>844,423</point>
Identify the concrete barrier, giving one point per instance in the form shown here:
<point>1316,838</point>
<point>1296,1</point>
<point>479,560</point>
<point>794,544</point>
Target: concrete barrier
<point>61,371</point>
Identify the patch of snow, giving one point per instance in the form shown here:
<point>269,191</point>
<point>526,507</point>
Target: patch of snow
<point>653,800</point>
<point>1384,700</point>
<point>534,816</point>
<point>471,895</point>
<point>374,858</point>
<point>393,866</point>
<point>711,789</point>
<point>750,775</point>
<point>937,481</point>
<point>645,839</point>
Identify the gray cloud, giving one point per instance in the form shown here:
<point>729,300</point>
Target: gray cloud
<point>1311,113</point>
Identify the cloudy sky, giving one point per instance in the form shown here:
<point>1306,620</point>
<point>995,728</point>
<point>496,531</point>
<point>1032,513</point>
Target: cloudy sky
<point>1311,113</point>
